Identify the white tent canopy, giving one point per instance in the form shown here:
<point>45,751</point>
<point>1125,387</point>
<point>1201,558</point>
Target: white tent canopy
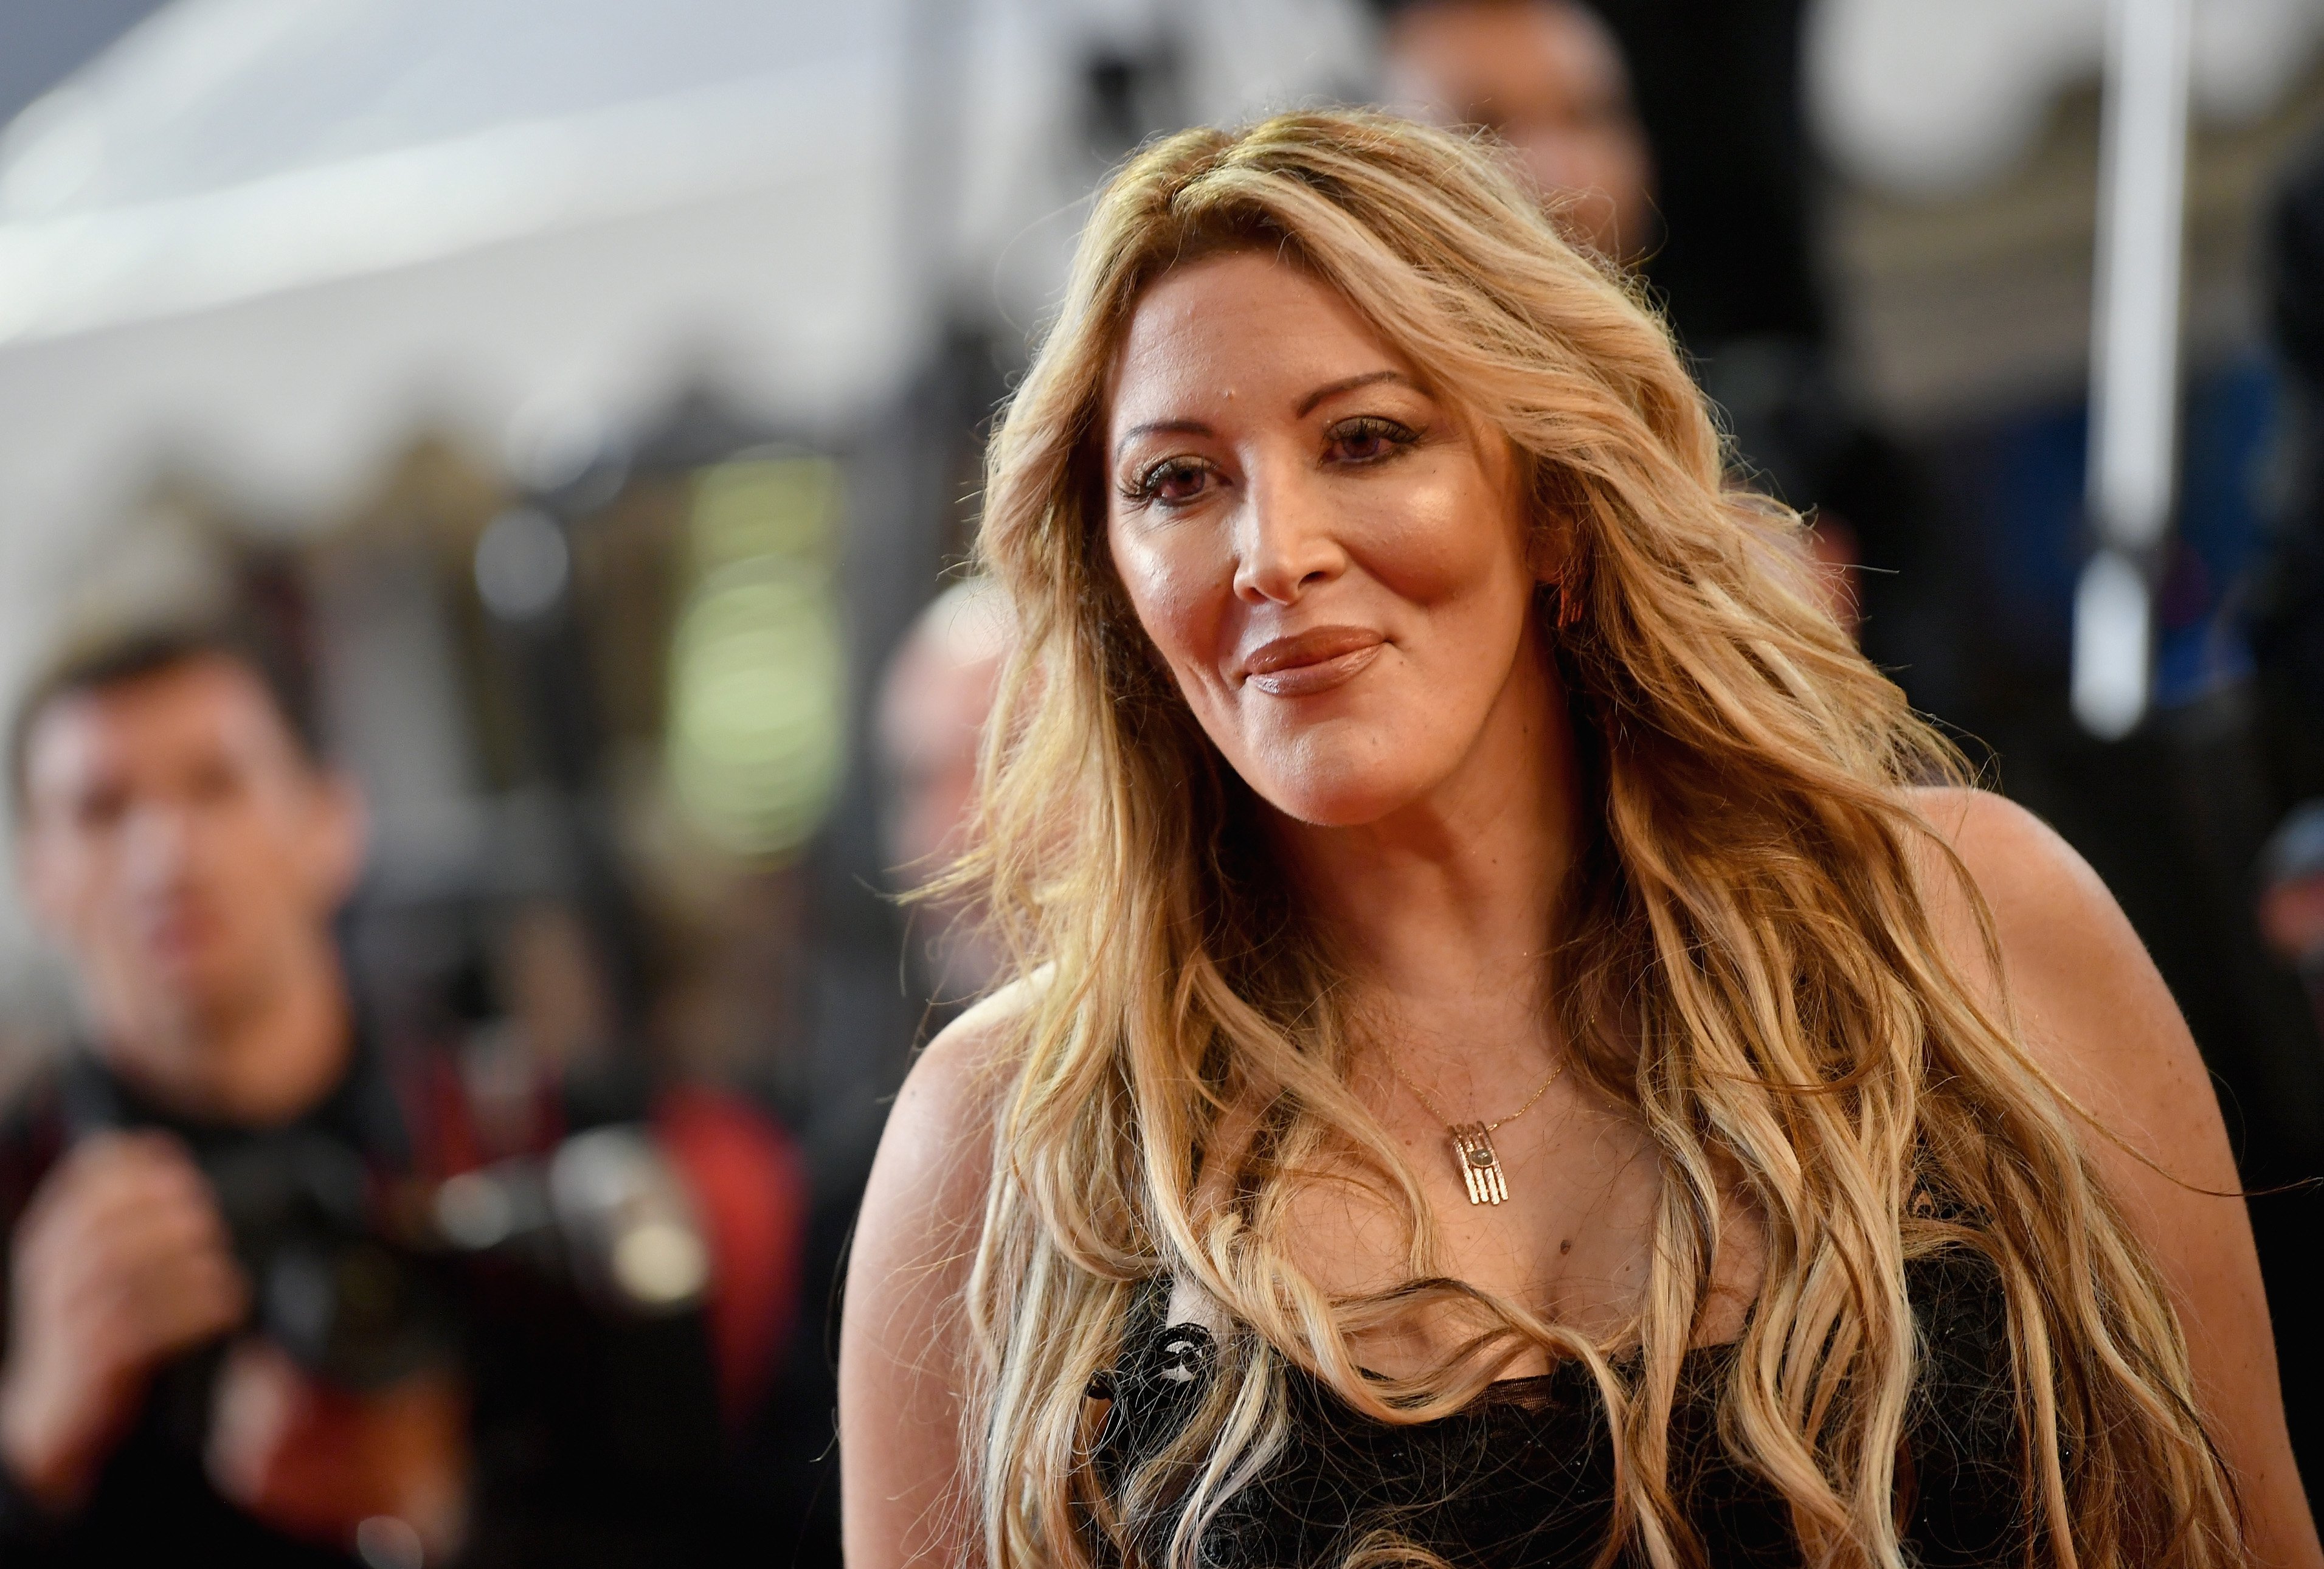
<point>269,235</point>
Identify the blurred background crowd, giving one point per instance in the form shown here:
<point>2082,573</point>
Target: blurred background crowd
<point>574,408</point>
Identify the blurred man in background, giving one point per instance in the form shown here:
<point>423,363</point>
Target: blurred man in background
<point>193,1370</point>
<point>935,697</point>
<point>1550,78</point>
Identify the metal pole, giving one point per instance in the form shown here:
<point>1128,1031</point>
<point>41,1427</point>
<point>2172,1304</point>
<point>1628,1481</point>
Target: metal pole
<point>2134,358</point>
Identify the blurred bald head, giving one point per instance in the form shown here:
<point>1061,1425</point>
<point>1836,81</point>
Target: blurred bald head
<point>935,697</point>
<point>933,703</point>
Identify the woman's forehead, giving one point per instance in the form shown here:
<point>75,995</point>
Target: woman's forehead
<point>1235,327</point>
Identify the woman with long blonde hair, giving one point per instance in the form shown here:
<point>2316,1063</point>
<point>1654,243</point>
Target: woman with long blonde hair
<point>1522,1052</point>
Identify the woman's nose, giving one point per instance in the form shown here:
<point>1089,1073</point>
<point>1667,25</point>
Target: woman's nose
<point>1287,543</point>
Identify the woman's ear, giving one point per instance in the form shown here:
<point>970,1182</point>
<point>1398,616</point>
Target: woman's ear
<point>1543,558</point>
<point>1550,552</point>
<point>1550,530</point>
<point>1553,557</point>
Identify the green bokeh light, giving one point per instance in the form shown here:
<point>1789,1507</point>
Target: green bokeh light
<point>757,737</point>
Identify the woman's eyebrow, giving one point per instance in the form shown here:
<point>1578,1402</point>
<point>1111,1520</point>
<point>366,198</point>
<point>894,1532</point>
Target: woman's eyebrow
<point>1160,427</point>
<point>1334,389</point>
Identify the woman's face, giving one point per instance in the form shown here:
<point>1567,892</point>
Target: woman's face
<point>1333,563</point>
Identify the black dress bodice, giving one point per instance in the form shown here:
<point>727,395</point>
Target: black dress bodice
<point>1523,1477</point>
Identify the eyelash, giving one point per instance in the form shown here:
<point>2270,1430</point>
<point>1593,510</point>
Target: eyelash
<point>1147,486</point>
<point>1398,438</point>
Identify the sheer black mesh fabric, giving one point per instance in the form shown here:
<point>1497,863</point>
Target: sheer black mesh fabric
<point>1524,1476</point>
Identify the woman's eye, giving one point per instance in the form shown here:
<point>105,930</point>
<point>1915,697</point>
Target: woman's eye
<point>1172,480</point>
<point>1366,441</point>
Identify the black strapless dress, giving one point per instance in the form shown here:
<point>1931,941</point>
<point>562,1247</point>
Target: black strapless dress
<point>1523,1478</point>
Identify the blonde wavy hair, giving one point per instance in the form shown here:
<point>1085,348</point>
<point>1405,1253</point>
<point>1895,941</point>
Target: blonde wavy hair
<point>1746,960</point>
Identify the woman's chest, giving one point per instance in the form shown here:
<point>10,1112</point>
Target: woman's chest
<point>1573,1242</point>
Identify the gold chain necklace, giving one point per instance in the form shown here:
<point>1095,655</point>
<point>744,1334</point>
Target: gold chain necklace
<point>1473,1142</point>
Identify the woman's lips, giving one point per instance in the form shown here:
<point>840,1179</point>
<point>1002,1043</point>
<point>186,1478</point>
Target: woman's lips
<point>1312,661</point>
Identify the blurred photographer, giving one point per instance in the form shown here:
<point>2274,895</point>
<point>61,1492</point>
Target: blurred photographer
<point>231,1334</point>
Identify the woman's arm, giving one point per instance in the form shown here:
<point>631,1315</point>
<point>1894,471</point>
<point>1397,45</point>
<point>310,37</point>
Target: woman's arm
<point>2099,1017</point>
<point>903,1345</point>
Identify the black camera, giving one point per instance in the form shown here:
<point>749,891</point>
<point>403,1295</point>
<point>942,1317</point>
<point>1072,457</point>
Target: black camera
<point>344,1294</point>
<point>358,1280</point>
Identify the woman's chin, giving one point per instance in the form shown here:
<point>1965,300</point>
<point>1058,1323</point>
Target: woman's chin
<point>1350,801</point>
<point>1349,773</point>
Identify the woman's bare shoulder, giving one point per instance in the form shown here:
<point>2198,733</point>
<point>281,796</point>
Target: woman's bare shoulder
<point>973,1049</point>
<point>2067,950</point>
<point>904,1341</point>
<point>2096,1015</point>
<point>2088,1001</point>
<point>2051,918</point>
<point>940,1130</point>
<point>2029,876</point>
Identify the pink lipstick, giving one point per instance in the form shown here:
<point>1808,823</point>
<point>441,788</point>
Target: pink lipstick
<point>1316,661</point>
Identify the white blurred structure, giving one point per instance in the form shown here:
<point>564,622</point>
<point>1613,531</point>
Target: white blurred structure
<point>269,237</point>
<point>1937,97</point>
<point>1937,106</point>
<point>2134,357</point>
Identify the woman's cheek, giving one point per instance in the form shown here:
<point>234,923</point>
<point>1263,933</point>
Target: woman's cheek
<point>1430,542</point>
<point>1172,595</point>
<point>1178,610</point>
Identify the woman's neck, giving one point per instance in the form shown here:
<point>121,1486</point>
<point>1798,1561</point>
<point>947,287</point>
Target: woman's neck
<point>1452,898</point>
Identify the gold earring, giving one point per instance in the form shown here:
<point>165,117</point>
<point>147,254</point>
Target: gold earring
<point>1569,604</point>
